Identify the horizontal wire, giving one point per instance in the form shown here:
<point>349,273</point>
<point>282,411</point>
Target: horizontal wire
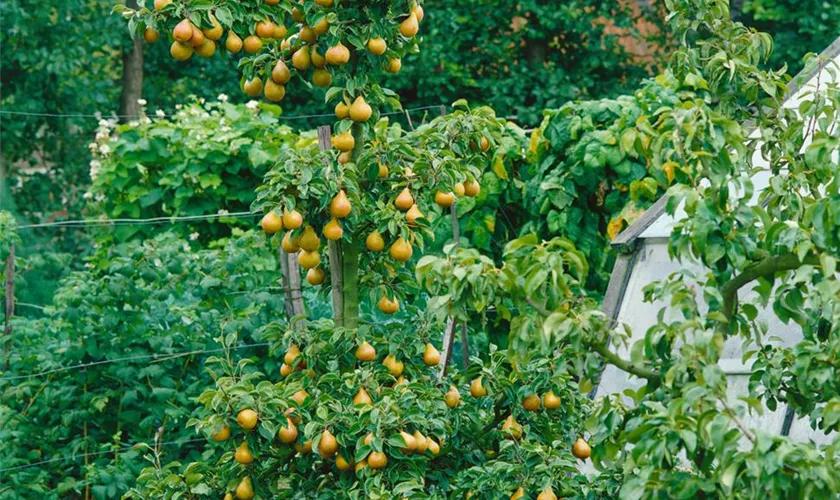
<point>93,454</point>
<point>102,115</point>
<point>132,222</point>
<point>156,357</point>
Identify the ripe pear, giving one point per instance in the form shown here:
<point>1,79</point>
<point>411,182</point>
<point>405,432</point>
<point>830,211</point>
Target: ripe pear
<point>452,398</point>
<point>332,230</point>
<point>227,496</point>
<point>401,250</point>
<point>321,78</point>
<point>342,463</point>
<point>477,389</point>
<point>291,355</point>
<point>421,442</point>
<point>305,448</point>
<point>581,449</point>
<point>271,222</point>
<point>253,44</point>
<point>344,141</point>
<point>362,397</point>
<point>309,241</point>
<point>160,4</point>
<point>338,55</point>
<point>327,445</point>
<point>361,465</point>
<point>400,381</point>
<point>365,352</point>
<point>244,490</point>
<point>340,206</point>
<point>368,439</point>
<point>377,460</point>
<point>410,442</point>
<point>286,45</point>
<point>324,3</point>
<point>531,402</point>
<point>374,242</point>
<point>459,189</point>
<point>315,276</point>
<point>413,214</point>
<point>547,494</point>
<point>233,43</point>
<point>280,73</point>
<point>183,31</point>
<point>280,31</point>
<point>318,60</point>
<point>410,26</point>
<point>265,29</point>
<point>247,419</point>
<point>445,200</point>
<point>342,110</point>
<point>289,244</point>
<point>472,188</point>
<point>274,92</point>
<point>215,33</point>
<point>151,35</point>
<point>301,59</point>
<point>511,428</point>
<point>383,171</point>
<point>243,454</point>
<point>180,51</point>
<point>297,15</point>
<point>222,434</point>
<point>431,356</point>
<point>285,370</point>
<point>395,366</point>
<point>292,220</point>
<point>289,433</point>
<point>308,35</point>
<point>292,415</point>
<point>417,10</point>
<point>394,65</point>
<point>377,46</point>
<point>308,260</point>
<point>388,306</point>
<point>404,200</point>
<point>360,110</point>
<point>253,87</point>
<point>433,446</point>
<point>484,143</point>
<point>197,38</point>
<point>519,493</point>
<point>344,158</point>
<point>300,396</point>
<point>551,401</point>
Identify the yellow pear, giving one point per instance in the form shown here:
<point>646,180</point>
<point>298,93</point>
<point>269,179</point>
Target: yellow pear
<point>421,442</point>
<point>183,31</point>
<point>404,200</point>
<point>361,465</point>
<point>431,356</point>
<point>383,171</point>
<point>206,49</point>
<point>459,189</point>
<point>484,143</point>
<point>531,402</point>
<point>360,110</point>
<point>377,46</point>
<point>340,205</point>
<point>222,434</point>
<point>289,433</point>
<point>285,370</point>
<point>160,4</point>
<point>413,214</point>
<point>377,460</point>
<point>445,200</point>
<point>410,442</point>
<point>323,25</point>
<point>305,448</point>
<point>292,415</point>
<point>362,397</point>
<point>344,157</point>
<point>342,463</point>
<point>227,496</point>
<point>433,446</point>
<point>581,449</point>
<point>344,141</point>
<point>332,230</point>
<point>289,244</point>
<point>388,306</point>
<point>365,352</point>
<point>291,354</point>
<point>472,188</point>
<point>253,87</point>
<point>511,428</point>
<point>315,276</point>
<point>233,43</point>
<point>271,222</point>
<point>547,494</point>
<point>274,92</point>
<point>409,27</point>
<point>265,29</point>
<point>151,35</point>
<point>243,454</point>
<point>308,35</point>
<point>395,366</point>
<point>244,490</point>
<point>308,260</point>
<point>301,59</point>
<point>477,389</point>
<point>292,220</point>
<point>309,241</point>
<point>281,73</point>
<point>338,55</point>
<point>374,242</point>
<point>519,493</point>
<point>551,401</point>
<point>300,396</point>
<point>327,445</point>
<point>321,78</point>
<point>318,60</point>
<point>401,250</point>
<point>417,10</point>
<point>342,110</point>
<point>180,51</point>
<point>368,439</point>
<point>452,398</point>
<point>253,44</point>
<point>247,419</point>
<point>394,65</point>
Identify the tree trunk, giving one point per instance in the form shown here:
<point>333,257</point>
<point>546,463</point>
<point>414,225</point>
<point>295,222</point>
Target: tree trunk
<point>132,77</point>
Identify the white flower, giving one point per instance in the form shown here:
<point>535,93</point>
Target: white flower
<point>157,262</point>
<point>187,320</point>
<point>179,106</point>
<point>193,236</point>
<point>252,105</point>
<point>88,195</point>
<point>93,146</point>
<point>145,120</point>
<point>201,101</point>
<point>141,102</point>
<point>104,149</point>
<point>222,97</point>
<point>103,123</point>
<point>160,113</point>
<point>222,211</point>
<point>225,129</point>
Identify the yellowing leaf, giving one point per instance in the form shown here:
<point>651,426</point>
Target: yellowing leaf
<point>535,141</point>
<point>669,167</point>
<point>614,227</point>
<point>499,168</point>
<point>490,222</point>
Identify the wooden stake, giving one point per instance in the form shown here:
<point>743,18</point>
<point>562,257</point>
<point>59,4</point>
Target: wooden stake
<point>333,247</point>
<point>451,325</point>
<point>287,287</point>
<point>294,284</point>
<point>10,303</point>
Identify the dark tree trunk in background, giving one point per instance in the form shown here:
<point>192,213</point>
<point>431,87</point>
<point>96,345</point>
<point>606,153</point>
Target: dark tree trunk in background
<point>132,78</point>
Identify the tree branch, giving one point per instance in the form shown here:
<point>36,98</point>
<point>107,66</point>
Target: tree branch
<point>624,365</point>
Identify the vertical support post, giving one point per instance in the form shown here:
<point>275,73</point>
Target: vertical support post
<point>10,303</point>
<point>451,325</point>
<point>334,247</point>
<point>287,287</point>
<point>294,284</point>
